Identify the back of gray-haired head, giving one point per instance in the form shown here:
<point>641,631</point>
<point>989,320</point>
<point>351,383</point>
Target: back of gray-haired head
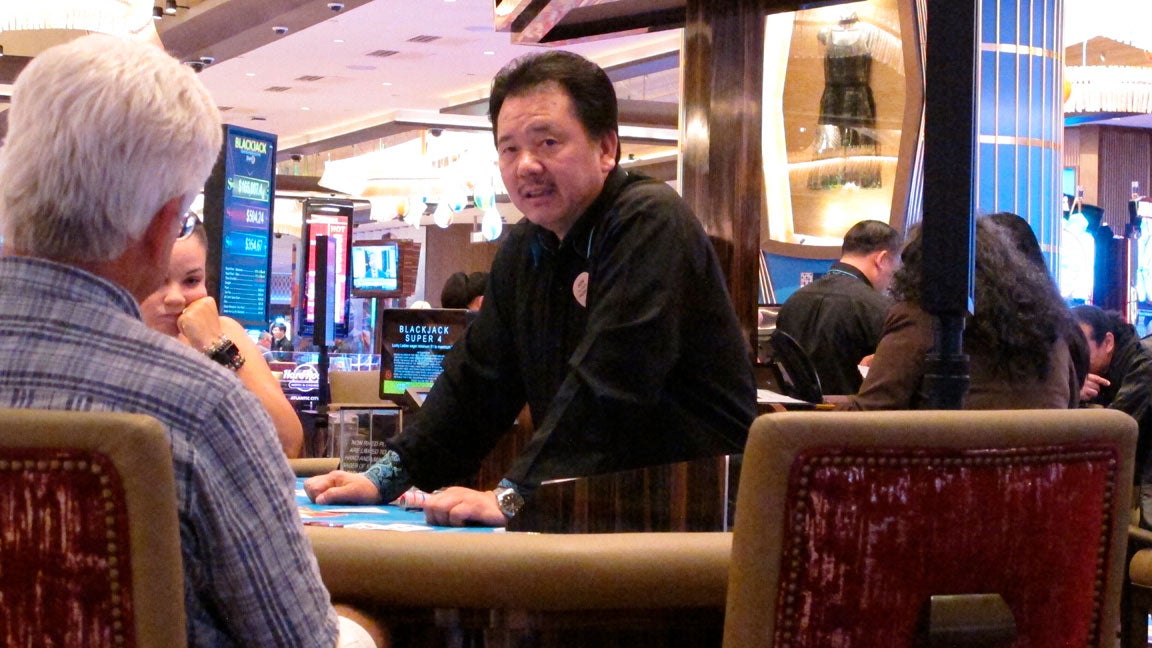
<point>102,132</point>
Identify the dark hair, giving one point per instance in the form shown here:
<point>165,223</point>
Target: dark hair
<point>1019,313</point>
<point>870,236</point>
<point>587,85</point>
<point>280,326</point>
<point>200,235</point>
<point>1020,232</point>
<point>460,289</point>
<point>1103,322</point>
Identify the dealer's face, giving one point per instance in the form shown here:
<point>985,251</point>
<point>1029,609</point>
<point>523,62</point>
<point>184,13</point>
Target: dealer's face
<point>552,168</point>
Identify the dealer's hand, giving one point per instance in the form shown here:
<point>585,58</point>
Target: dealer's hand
<point>340,487</point>
<point>457,506</point>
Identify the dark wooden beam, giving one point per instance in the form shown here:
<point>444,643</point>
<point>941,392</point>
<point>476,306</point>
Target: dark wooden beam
<point>11,66</point>
<point>723,175</point>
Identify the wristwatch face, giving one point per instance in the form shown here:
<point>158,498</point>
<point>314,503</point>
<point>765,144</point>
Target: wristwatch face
<point>509,501</point>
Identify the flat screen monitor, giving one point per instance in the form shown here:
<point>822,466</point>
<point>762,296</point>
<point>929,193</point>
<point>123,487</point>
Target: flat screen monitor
<point>413,343</point>
<point>238,219</point>
<point>376,268</point>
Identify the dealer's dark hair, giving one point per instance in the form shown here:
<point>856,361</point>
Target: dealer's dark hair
<point>587,85</point>
<point>870,236</point>
<point>1019,313</point>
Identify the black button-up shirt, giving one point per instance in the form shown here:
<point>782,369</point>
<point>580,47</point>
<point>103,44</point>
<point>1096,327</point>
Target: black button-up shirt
<point>650,367</point>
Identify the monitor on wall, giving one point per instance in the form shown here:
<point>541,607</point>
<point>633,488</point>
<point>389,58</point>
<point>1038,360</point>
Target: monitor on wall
<point>375,269</point>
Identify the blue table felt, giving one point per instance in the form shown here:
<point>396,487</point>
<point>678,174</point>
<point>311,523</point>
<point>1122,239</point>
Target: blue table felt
<point>382,517</point>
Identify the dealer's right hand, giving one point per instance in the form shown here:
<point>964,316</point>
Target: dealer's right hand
<point>340,487</point>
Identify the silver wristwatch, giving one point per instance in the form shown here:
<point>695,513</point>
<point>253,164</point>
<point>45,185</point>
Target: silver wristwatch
<point>509,501</point>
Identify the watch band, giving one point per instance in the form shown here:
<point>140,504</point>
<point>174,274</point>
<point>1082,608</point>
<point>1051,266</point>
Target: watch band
<point>225,352</point>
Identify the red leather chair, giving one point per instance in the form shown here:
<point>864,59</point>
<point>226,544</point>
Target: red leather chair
<point>89,537</point>
<point>906,528</point>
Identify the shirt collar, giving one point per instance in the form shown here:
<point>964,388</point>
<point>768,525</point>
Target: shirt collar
<point>845,268</point>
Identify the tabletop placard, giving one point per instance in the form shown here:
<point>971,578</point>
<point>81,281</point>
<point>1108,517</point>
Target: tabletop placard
<point>361,454</point>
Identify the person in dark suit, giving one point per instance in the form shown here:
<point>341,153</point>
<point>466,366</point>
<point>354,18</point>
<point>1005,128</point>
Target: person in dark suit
<point>838,318</point>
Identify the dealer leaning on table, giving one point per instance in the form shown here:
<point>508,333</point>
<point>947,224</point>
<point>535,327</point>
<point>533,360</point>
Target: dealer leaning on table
<point>606,312</point>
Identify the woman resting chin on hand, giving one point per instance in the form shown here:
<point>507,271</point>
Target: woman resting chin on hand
<point>183,309</point>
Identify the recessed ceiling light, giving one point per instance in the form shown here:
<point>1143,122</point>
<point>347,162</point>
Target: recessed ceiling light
<point>305,108</point>
<point>386,83</point>
<point>489,53</point>
<point>338,40</point>
<point>249,74</point>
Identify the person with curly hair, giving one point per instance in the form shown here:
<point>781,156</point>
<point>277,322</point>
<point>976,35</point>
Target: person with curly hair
<point>1019,357</point>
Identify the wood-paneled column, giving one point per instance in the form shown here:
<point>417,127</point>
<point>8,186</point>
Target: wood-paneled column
<point>722,176</point>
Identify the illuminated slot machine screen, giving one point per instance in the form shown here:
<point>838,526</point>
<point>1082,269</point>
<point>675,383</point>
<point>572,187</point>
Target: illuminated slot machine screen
<point>1142,304</point>
<point>334,220</point>
<point>413,343</point>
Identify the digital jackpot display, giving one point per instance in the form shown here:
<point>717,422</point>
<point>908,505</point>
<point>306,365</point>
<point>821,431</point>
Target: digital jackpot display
<point>246,226</point>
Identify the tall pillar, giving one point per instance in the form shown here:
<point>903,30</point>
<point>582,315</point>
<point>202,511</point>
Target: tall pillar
<point>722,176</point>
<point>1021,114</point>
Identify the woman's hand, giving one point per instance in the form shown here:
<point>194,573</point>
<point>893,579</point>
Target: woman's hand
<point>200,323</point>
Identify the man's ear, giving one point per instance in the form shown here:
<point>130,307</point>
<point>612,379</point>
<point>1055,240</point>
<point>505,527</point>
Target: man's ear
<point>161,232</point>
<point>1109,343</point>
<point>609,145</point>
<point>159,237</point>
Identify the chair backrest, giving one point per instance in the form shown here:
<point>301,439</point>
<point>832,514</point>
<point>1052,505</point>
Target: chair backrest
<point>796,375</point>
<point>848,522</point>
<point>90,541</point>
<point>355,387</point>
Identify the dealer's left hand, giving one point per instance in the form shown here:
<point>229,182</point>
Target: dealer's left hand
<point>458,506</point>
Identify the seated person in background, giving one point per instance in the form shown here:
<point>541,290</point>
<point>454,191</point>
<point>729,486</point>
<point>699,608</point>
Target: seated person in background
<point>108,142</point>
<point>182,309</point>
<point>1120,377</point>
<point>1021,234</point>
<point>1019,357</point>
<point>606,312</point>
<point>463,290</point>
<point>838,318</point>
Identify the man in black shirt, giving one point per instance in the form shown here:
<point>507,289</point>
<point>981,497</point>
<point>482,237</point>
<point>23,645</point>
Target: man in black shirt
<point>838,318</point>
<point>606,312</point>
